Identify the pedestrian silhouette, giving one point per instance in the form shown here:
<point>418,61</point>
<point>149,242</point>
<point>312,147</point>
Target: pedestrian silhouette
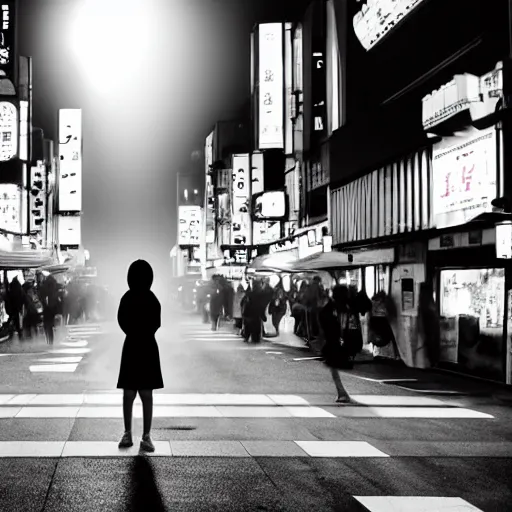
<point>139,318</point>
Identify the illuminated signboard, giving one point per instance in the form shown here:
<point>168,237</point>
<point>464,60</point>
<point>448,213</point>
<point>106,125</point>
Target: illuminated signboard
<point>377,17</point>
<point>190,225</point>
<point>7,39</point>
<point>8,131</point>
<point>10,204</point>
<point>478,94</point>
<point>69,230</point>
<point>464,177</point>
<point>270,205</point>
<point>70,155</point>
<point>271,103</point>
<point>241,219</point>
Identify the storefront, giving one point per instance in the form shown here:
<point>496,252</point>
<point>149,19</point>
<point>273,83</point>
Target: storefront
<point>382,219</point>
<point>470,281</point>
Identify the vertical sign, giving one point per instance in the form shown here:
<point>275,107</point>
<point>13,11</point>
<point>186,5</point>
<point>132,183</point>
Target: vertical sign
<point>8,131</point>
<point>241,219</point>
<point>7,38</point>
<point>210,199</point>
<point>69,231</point>
<point>271,86</point>
<point>257,174</point>
<point>10,204</point>
<point>70,155</point>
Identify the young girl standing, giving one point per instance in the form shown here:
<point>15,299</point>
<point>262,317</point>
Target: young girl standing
<point>139,318</point>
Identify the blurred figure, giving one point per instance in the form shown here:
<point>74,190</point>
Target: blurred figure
<point>139,317</point>
<point>428,323</point>
<point>254,312</point>
<point>333,319</point>
<point>15,301</point>
<point>216,302</point>
<point>33,309</point>
<point>237,307</point>
<point>49,294</point>
<point>277,307</point>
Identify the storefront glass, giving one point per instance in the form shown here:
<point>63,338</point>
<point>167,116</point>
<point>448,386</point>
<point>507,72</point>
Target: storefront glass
<point>472,303</point>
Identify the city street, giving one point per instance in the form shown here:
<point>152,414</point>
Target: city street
<point>240,427</point>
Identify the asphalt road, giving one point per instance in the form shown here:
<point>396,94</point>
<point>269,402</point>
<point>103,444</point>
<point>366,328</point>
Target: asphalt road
<point>239,427</point>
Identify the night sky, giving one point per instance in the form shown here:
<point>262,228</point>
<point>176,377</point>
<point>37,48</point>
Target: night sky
<point>151,81</point>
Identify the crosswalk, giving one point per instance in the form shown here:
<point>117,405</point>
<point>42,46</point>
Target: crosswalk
<point>66,357</point>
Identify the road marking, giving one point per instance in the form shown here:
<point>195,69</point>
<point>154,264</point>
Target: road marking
<point>410,412</point>
<point>306,358</point>
<point>55,368</point>
<point>340,449</point>
<point>61,360</point>
<point>272,352</point>
<point>223,448</point>
<point>415,504</point>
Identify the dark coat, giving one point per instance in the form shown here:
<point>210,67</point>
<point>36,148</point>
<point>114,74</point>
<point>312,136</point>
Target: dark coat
<point>139,317</point>
<point>335,354</point>
<point>16,296</point>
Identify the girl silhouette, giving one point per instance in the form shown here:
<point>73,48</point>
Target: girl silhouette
<point>139,318</point>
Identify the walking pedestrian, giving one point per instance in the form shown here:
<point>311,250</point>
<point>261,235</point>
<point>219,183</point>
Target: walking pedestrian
<point>333,318</point>
<point>49,294</point>
<point>139,317</point>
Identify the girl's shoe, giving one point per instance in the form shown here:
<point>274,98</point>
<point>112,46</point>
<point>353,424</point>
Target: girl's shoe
<point>146,444</point>
<point>126,440</point>
<point>343,399</point>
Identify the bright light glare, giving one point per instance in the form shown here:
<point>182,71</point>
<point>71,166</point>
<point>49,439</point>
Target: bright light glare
<point>110,40</point>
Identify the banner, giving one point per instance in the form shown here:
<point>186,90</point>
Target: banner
<point>7,38</point>
<point>464,177</point>
<point>69,231</point>
<point>10,204</point>
<point>190,225</point>
<point>70,155</point>
<point>241,193</point>
<point>271,86</point>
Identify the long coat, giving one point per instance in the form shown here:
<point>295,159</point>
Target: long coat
<point>139,317</point>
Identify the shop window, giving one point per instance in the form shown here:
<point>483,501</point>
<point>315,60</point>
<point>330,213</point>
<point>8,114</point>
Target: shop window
<point>383,274</point>
<point>369,276</point>
<point>472,305</point>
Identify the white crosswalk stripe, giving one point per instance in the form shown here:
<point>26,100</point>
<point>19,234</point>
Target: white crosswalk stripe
<point>415,504</point>
<point>75,343</point>
<point>84,407</point>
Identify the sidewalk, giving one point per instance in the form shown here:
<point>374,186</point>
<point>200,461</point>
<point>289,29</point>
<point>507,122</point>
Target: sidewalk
<point>429,381</point>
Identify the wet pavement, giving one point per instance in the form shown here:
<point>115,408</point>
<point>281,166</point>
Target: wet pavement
<point>244,427</point>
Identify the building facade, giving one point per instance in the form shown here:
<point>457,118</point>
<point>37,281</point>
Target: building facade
<point>423,152</point>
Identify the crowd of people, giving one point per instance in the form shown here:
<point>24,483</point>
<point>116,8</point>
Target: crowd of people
<point>328,316</point>
<point>38,301</point>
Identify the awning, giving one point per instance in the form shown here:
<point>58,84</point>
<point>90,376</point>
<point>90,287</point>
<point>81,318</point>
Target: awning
<point>278,262</point>
<point>336,259</point>
<point>17,260</point>
<point>56,269</point>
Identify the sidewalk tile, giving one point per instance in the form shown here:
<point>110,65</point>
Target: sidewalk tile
<point>208,449</point>
<point>21,399</point>
<point>5,398</point>
<point>9,412</point>
<point>288,400</point>
<point>340,449</point>
<point>111,449</point>
<point>274,449</point>
<point>204,411</point>
<point>56,399</point>
<point>253,412</point>
<point>31,448</point>
<point>48,412</point>
<point>309,412</point>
